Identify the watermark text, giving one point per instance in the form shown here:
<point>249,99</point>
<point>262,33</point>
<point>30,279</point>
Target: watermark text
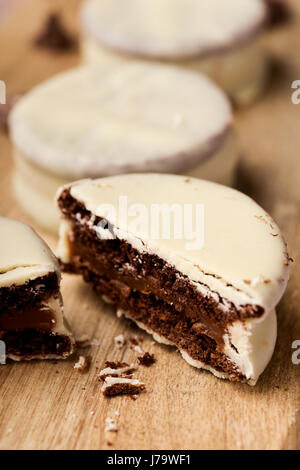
<point>177,221</point>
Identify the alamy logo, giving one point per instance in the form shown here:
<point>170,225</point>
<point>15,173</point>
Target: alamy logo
<point>296,354</point>
<point>2,92</point>
<point>177,221</point>
<point>2,352</point>
<point>296,94</point>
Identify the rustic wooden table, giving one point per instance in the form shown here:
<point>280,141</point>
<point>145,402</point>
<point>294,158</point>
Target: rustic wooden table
<point>48,405</point>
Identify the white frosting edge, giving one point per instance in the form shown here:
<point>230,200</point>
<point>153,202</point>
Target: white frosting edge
<point>254,340</point>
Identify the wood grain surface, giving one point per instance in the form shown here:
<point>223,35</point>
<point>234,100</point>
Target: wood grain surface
<point>49,405</point>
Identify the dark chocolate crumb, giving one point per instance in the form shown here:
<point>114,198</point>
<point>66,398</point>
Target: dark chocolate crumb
<point>123,389</point>
<point>115,365</point>
<point>133,340</point>
<point>54,36</point>
<point>278,12</point>
<point>147,359</point>
<point>33,341</point>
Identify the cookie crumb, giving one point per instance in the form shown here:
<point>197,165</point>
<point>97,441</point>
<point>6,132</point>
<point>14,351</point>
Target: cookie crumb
<point>278,12</point>
<point>147,359</point>
<point>83,363</point>
<point>114,386</point>
<point>111,425</point>
<point>137,349</point>
<point>134,345</point>
<point>116,369</point>
<point>119,341</point>
<point>133,397</point>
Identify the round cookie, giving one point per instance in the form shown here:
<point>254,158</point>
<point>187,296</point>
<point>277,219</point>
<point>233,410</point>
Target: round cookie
<point>100,121</point>
<point>220,39</point>
<point>210,289</point>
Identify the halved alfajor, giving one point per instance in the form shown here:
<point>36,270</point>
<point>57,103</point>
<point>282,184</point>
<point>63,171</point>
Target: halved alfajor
<point>206,284</point>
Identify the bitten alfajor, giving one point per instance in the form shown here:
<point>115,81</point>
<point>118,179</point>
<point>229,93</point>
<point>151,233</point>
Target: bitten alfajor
<point>31,310</point>
<point>216,301</point>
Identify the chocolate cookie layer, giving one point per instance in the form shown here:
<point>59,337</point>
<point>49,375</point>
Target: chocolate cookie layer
<point>28,295</point>
<point>32,343</point>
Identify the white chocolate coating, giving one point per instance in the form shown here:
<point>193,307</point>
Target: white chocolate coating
<point>172,28</point>
<point>255,341</point>
<point>94,121</point>
<point>23,254</point>
<point>242,73</point>
<point>244,256</point>
<point>211,37</point>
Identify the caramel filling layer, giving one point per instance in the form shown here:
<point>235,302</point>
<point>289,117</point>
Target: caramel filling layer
<point>39,316</point>
<point>127,279</point>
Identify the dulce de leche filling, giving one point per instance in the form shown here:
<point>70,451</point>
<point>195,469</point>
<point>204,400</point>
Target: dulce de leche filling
<point>116,261</point>
<point>103,266</point>
<point>154,300</point>
<point>39,317</point>
<point>27,306</point>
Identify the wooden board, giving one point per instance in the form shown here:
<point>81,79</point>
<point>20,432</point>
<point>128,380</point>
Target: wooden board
<point>47,405</point>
